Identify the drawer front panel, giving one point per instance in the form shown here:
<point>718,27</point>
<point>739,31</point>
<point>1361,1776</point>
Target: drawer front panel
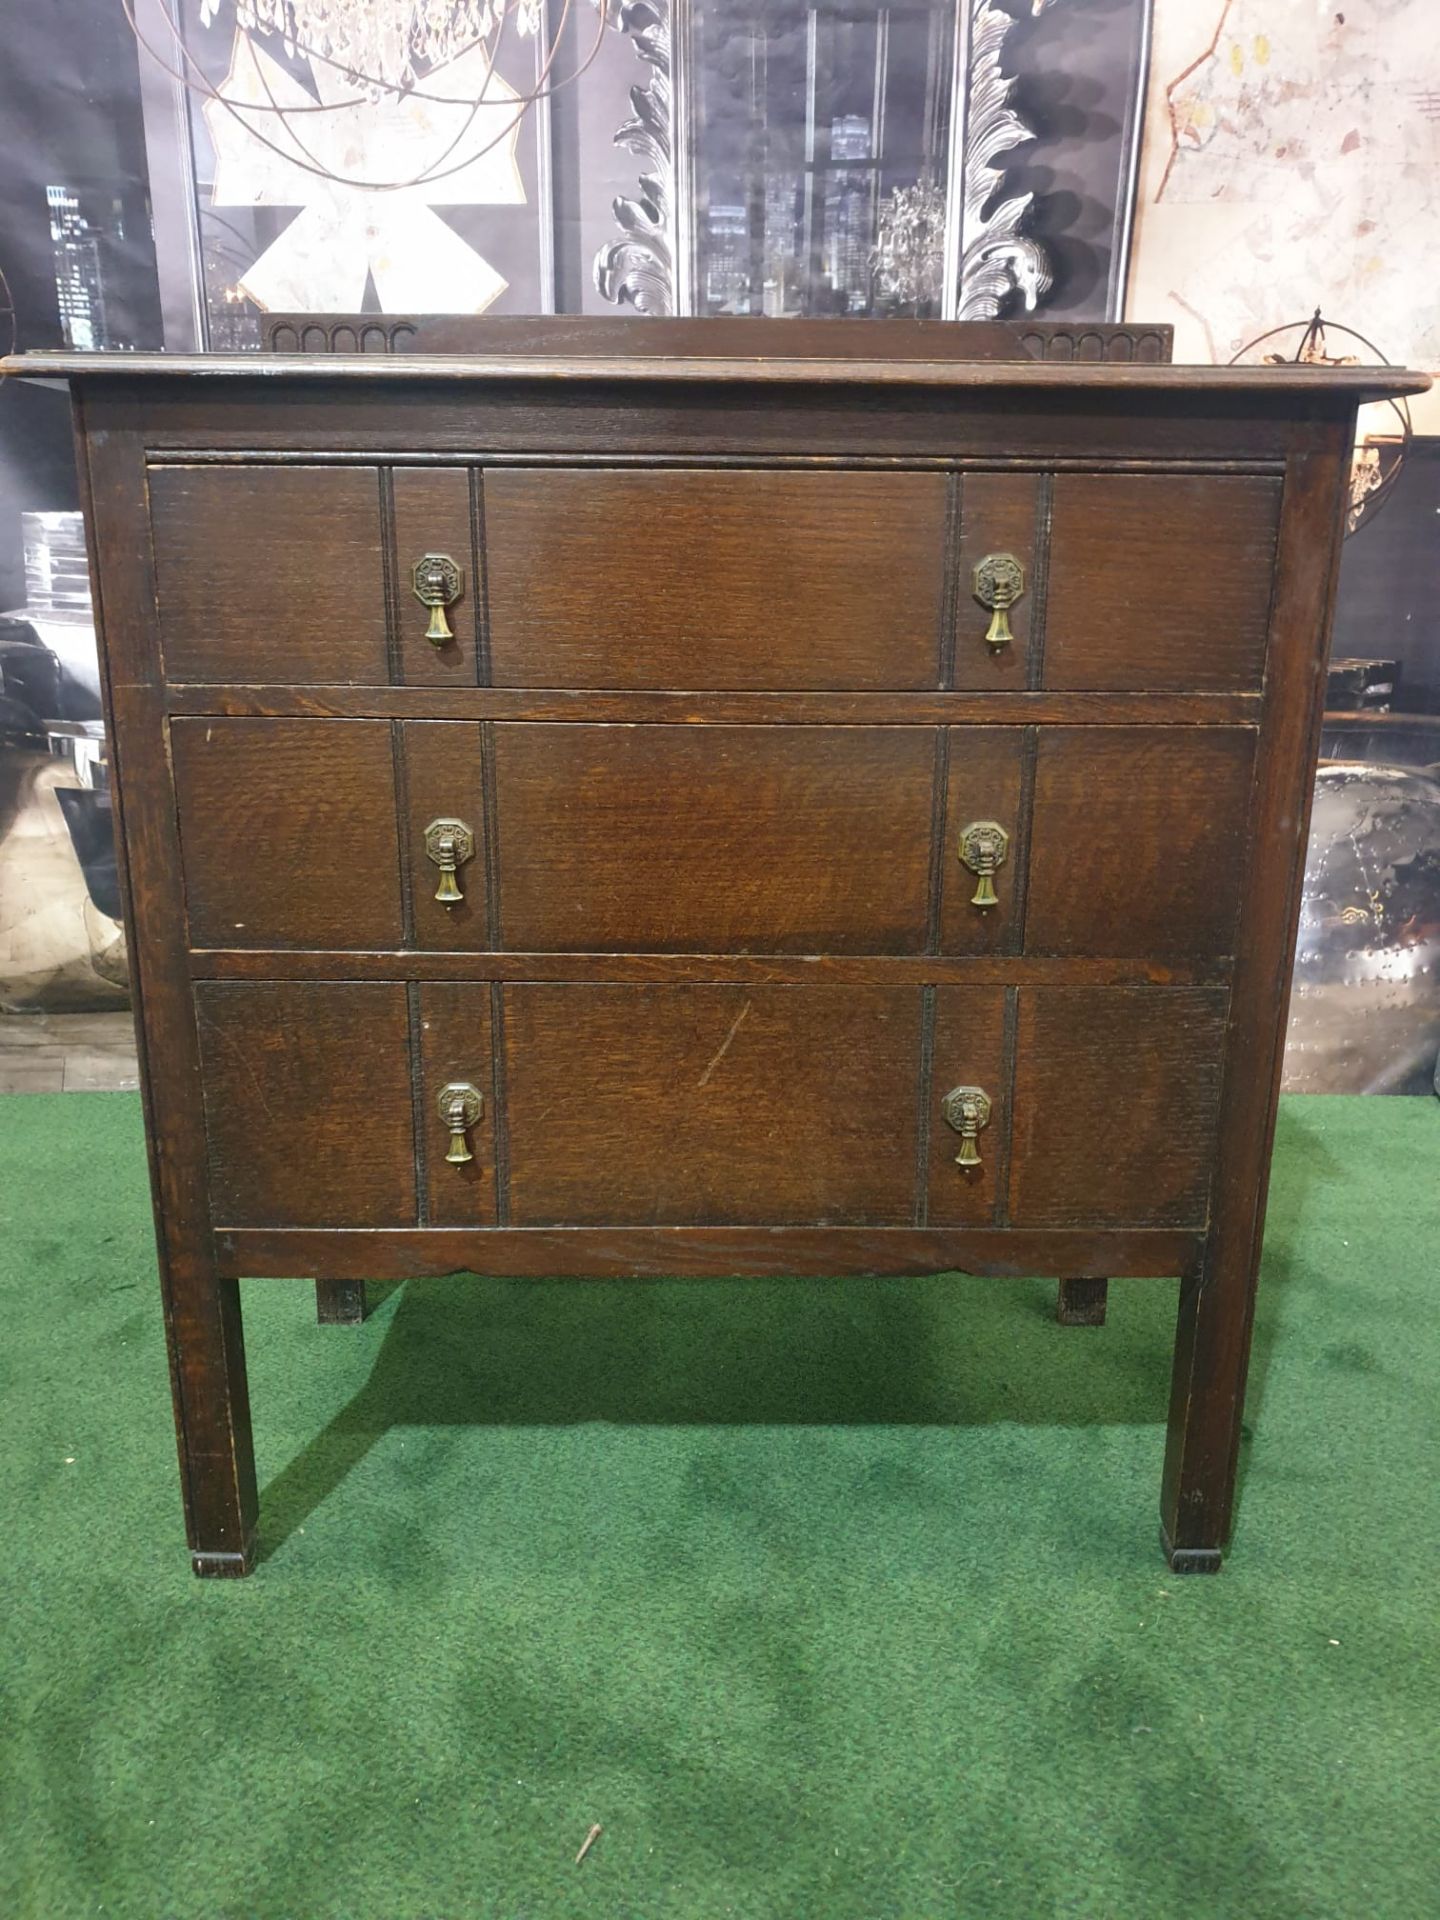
<point>270,574</point>
<point>1160,581</point>
<point>1117,1093</point>
<point>1138,841</point>
<point>307,1104</point>
<point>984,788</point>
<point>696,579</point>
<point>711,1104</point>
<point>998,515</point>
<point>288,832</point>
<point>456,1048</point>
<point>441,789</point>
<point>714,839</point>
<point>968,1050</point>
<point>434,514</point>
<point>331,1104</point>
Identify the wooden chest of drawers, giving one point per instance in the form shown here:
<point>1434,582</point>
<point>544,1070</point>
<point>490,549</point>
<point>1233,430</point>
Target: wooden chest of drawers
<point>827,817</point>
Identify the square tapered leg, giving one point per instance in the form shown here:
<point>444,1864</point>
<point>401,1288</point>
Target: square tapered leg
<point>1081,1303</point>
<point>340,1303</point>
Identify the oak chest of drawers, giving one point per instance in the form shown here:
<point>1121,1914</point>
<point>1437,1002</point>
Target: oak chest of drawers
<point>703,815</point>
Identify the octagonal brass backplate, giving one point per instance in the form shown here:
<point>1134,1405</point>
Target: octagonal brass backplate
<point>437,582</point>
<point>999,583</point>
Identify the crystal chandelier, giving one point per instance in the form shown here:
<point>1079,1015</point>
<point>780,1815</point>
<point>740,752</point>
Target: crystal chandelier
<point>423,58</point>
<point>381,45</point>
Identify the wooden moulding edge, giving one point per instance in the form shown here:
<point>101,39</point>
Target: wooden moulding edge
<point>619,1252</point>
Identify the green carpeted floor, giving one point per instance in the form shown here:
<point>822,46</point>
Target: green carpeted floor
<point>837,1600</point>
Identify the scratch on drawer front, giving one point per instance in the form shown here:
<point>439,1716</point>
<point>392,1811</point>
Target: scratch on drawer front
<point>724,1046</point>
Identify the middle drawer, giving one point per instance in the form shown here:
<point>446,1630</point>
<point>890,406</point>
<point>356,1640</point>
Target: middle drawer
<point>579,837</point>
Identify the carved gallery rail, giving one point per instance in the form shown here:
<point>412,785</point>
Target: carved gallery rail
<point>614,816</point>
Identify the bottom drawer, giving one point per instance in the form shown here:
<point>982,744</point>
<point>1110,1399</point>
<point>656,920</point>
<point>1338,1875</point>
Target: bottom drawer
<point>709,1104</point>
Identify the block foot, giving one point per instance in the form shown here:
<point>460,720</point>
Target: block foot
<point>1081,1303</point>
<point>1189,1559</point>
<point>340,1303</point>
<point>224,1566</point>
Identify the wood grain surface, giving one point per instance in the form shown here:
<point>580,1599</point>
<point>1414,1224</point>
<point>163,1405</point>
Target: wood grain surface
<point>711,1105</point>
<point>308,1116</point>
<point>1117,1093</point>
<point>999,513</point>
<point>986,777</point>
<point>432,513</point>
<point>969,1049</point>
<point>269,573</point>
<point>785,840</point>
<point>1138,841</point>
<point>288,830</point>
<point>1160,580</point>
<point>682,578</point>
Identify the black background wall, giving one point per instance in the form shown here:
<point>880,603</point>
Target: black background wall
<point>70,110</point>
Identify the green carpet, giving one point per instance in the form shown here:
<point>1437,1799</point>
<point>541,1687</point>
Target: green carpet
<point>827,1599</point>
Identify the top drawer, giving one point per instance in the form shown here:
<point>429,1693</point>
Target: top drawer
<point>694,578</point>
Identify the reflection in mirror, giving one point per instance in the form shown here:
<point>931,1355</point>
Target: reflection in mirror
<point>819,143</point>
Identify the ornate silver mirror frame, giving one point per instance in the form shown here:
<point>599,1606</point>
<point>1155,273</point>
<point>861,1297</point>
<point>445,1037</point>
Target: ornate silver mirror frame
<point>650,265</point>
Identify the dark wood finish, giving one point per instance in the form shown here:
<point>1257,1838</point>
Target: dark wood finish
<point>203,1332</point>
<point>1217,1296</point>
<point>307,1104</point>
<point>640,708</point>
<point>1082,1303</point>
<point>269,575</point>
<point>1138,843</point>
<point>654,1106</point>
<point>769,839</point>
<point>779,969</point>
<point>916,416</point>
<point>341,1303</point>
<point>602,1253</point>
<point>756,579</point>
<point>986,774</point>
<point>1160,580</point>
<point>433,512</point>
<point>1085,340</point>
<point>999,513</point>
<point>457,1044</point>
<point>970,1048</point>
<point>803,358</point>
<point>625,336</point>
<point>732,729</point>
<point>440,772</point>
<point>288,832</point>
<point>1117,1092</point>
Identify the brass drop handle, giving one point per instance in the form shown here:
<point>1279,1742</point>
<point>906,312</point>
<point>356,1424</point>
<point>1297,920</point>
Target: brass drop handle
<point>967,1110</point>
<point>437,583</point>
<point>461,1105</point>
<point>984,845</point>
<point>449,843</point>
<point>999,583</point>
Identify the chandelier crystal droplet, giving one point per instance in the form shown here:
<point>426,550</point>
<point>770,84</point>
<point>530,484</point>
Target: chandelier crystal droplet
<point>382,44</point>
